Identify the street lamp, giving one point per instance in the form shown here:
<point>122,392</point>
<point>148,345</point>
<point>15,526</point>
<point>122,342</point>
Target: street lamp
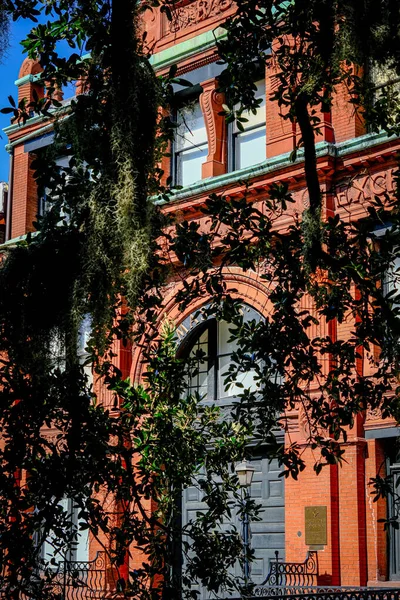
<point>245,472</point>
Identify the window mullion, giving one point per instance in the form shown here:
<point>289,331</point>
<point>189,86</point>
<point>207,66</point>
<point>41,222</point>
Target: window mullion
<point>212,362</point>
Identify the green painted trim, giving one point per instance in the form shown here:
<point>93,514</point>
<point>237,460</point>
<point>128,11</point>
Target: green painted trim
<point>28,79</point>
<point>33,134</point>
<point>206,186</point>
<point>269,165</point>
<point>15,241</point>
<point>185,49</point>
<point>363,142</point>
<point>34,78</point>
<point>32,121</point>
<point>17,126</point>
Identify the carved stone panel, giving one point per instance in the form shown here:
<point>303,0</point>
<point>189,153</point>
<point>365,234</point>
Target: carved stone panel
<point>191,13</point>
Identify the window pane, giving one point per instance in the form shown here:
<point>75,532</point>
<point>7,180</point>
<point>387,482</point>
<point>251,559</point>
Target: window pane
<point>259,117</point>
<point>189,165</point>
<point>199,381</point>
<point>53,547</point>
<point>385,78</point>
<point>225,347</point>
<point>247,379</point>
<point>392,279</point>
<point>191,129</point>
<point>81,550</point>
<point>250,148</point>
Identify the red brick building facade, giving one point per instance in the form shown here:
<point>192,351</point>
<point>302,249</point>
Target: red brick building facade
<point>356,550</point>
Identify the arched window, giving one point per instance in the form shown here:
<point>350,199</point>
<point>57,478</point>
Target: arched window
<point>210,346</point>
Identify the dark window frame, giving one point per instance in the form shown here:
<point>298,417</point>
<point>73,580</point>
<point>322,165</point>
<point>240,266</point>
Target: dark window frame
<point>213,358</point>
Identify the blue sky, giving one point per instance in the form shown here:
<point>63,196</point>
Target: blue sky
<point>9,69</point>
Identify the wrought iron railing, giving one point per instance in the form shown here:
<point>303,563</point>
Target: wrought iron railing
<point>298,581</point>
<point>292,574</point>
<point>73,580</point>
<point>81,580</point>
<point>324,593</point>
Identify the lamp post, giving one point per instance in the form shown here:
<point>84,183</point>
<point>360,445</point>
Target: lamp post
<point>245,472</point>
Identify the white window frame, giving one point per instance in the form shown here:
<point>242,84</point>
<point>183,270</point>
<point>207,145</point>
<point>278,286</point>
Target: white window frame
<point>84,334</point>
<point>188,141</point>
<point>44,205</point>
<point>256,124</point>
<point>211,365</point>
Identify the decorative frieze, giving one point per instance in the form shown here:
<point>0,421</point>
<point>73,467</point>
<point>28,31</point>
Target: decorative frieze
<point>193,13</point>
<point>374,414</point>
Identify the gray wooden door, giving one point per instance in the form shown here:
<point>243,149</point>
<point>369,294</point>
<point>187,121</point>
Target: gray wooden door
<point>268,534</point>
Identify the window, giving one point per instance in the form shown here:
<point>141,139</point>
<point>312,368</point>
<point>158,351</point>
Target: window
<point>190,146</point>
<point>58,352</point>
<point>45,200</point>
<point>84,334</point>
<point>392,278</point>
<point>384,77</point>
<point>52,549</point>
<point>384,82</point>
<point>248,146</point>
<point>211,348</point>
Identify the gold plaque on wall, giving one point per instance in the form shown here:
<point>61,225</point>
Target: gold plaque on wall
<point>316,525</point>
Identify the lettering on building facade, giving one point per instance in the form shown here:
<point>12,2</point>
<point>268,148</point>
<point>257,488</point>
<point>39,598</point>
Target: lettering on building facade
<point>365,188</point>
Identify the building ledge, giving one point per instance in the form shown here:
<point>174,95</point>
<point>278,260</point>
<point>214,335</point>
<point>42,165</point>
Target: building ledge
<point>282,161</point>
<point>178,52</point>
<point>15,241</point>
<point>384,584</point>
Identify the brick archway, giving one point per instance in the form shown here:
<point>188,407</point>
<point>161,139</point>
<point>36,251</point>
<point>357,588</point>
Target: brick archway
<point>248,286</point>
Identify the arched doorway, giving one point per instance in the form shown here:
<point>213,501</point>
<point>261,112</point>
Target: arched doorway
<point>208,342</point>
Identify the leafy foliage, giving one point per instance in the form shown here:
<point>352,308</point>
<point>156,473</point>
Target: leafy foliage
<point>92,256</point>
<point>104,250</point>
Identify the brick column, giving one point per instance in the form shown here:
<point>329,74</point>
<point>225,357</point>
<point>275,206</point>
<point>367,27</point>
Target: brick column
<point>325,131</point>
<point>346,120</point>
<point>29,82</point>
<point>352,517</point>
<point>24,194</point>
<point>376,534</point>
<point>211,105</point>
<point>312,490</point>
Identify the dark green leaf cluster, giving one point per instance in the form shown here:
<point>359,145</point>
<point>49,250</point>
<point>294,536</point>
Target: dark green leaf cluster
<point>301,353</point>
